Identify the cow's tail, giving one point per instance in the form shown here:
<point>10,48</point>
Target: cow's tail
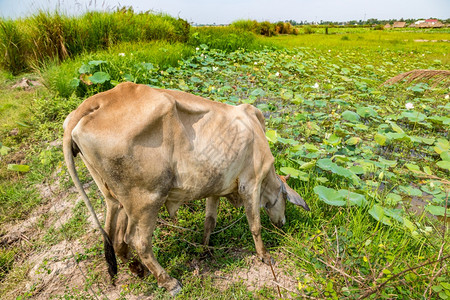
<point>69,154</point>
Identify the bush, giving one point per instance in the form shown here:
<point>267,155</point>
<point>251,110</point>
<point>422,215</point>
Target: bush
<point>284,28</point>
<point>308,30</point>
<point>267,29</point>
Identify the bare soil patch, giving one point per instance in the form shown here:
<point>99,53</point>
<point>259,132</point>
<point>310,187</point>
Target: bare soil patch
<point>67,268</point>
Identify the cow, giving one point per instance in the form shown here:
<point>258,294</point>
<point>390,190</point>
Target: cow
<point>147,148</point>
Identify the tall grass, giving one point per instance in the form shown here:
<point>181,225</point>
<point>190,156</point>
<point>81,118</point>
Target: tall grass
<point>223,38</point>
<point>13,47</point>
<point>54,36</point>
<point>247,25</point>
<point>49,36</point>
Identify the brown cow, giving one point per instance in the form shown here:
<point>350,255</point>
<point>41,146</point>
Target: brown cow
<point>148,147</point>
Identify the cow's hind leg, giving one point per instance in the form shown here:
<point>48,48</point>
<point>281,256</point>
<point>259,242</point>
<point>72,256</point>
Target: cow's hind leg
<point>143,212</point>
<point>212,204</point>
<point>115,227</point>
<point>116,224</point>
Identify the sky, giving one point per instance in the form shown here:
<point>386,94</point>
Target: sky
<point>225,12</point>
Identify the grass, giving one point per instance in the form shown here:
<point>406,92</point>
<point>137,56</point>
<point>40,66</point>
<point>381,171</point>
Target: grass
<point>45,36</point>
<point>225,38</point>
<point>15,104</point>
<point>334,252</point>
<point>377,41</point>
<point>12,44</point>
<point>125,61</point>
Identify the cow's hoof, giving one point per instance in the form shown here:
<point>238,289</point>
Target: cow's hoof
<point>268,260</point>
<point>138,269</point>
<point>175,290</point>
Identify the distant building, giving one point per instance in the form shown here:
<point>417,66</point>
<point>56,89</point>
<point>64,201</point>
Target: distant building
<point>429,23</point>
<point>399,25</point>
<point>387,26</point>
<point>432,21</point>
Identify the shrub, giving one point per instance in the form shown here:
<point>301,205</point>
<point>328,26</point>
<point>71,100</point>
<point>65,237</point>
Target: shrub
<point>268,29</point>
<point>308,30</point>
<point>283,28</point>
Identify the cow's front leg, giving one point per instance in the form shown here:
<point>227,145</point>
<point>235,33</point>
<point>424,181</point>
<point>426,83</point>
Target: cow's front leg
<point>252,210</point>
<point>212,204</point>
<point>139,236</point>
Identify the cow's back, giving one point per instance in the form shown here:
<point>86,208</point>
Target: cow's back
<point>165,139</point>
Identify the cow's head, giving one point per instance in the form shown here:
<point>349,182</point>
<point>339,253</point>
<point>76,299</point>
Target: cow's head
<point>275,196</point>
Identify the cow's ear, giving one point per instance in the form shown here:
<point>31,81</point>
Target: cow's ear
<point>293,197</point>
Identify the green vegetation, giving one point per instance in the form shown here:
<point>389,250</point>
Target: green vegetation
<point>29,43</point>
<point>371,160</point>
<point>224,38</point>
<point>265,28</point>
<point>135,62</point>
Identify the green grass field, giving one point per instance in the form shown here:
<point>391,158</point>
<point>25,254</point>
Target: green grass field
<point>371,161</point>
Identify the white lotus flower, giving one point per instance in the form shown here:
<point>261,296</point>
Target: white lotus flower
<point>316,85</point>
<point>277,74</point>
<point>447,97</point>
<point>196,49</point>
<point>215,69</point>
<point>121,54</point>
<point>409,105</point>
